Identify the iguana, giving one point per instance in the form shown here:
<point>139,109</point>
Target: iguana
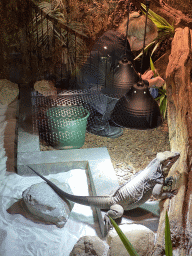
<point>133,193</point>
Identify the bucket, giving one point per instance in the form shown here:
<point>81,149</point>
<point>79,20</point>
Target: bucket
<point>67,126</point>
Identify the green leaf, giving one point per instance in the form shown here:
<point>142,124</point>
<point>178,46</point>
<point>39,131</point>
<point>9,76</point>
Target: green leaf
<point>153,68</point>
<point>157,98</point>
<point>156,16</point>
<point>164,87</point>
<point>160,26</point>
<point>164,30</point>
<point>125,241</point>
<point>161,99</point>
<point>164,107</point>
<point>159,21</point>
<point>155,47</point>
<point>145,50</point>
<point>162,91</point>
<point>152,65</point>
<point>168,243</point>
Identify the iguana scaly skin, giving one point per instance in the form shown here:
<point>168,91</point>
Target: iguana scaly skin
<point>133,193</point>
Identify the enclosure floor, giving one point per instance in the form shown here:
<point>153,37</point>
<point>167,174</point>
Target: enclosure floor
<point>130,152</point>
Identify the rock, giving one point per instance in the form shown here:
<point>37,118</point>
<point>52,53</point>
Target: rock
<point>8,91</point>
<point>179,97</point>
<point>141,238</point>
<point>45,87</point>
<point>45,204</point>
<point>90,245</point>
<point>161,64</point>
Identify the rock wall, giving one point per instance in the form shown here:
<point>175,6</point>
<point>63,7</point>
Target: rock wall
<point>179,94</point>
<point>182,5</point>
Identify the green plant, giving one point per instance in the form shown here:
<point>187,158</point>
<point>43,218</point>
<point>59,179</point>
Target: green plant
<point>162,100</point>
<point>125,241</point>
<point>162,25</point>
<point>129,247</point>
<point>162,92</point>
<point>168,243</point>
<point>164,30</point>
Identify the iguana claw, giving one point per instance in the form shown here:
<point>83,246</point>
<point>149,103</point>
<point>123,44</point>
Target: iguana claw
<point>173,192</point>
<point>115,212</point>
<point>107,222</point>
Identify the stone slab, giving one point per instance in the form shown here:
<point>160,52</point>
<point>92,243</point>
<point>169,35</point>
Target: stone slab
<point>96,161</point>
<point>28,140</point>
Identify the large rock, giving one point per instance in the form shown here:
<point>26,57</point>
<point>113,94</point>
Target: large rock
<point>179,95</point>
<point>90,245</point>
<point>141,238</point>
<point>44,203</point>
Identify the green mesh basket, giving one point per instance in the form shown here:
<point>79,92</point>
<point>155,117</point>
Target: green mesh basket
<point>67,126</point>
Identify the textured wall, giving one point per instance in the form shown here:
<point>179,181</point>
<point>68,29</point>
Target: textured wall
<point>179,91</point>
<point>183,5</point>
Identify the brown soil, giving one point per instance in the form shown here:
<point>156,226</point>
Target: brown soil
<point>130,152</point>
<point>133,150</point>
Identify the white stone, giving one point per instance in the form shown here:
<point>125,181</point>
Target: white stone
<point>45,204</point>
<point>90,245</point>
<point>140,237</point>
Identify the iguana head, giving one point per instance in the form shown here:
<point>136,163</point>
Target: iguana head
<point>167,159</point>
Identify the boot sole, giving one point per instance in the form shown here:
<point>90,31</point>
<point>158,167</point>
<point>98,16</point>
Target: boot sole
<point>108,136</point>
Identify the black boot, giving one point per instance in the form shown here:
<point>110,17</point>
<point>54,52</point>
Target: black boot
<point>102,128</point>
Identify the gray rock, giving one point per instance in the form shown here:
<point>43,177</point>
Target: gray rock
<point>45,204</point>
<point>140,237</point>
<point>90,245</point>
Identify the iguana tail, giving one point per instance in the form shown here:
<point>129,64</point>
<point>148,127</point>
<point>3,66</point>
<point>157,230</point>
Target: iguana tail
<point>102,202</point>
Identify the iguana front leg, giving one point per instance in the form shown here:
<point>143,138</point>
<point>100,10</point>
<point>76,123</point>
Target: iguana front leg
<point>158,189</point>
<point>116,211</point>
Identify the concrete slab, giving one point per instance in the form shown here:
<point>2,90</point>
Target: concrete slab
<point>28,138</point>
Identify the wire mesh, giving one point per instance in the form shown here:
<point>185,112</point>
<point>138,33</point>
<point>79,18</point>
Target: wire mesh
<point>60,54</point>
<point>74,114</point>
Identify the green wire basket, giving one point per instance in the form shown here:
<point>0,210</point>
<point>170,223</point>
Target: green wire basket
<point>67,126</point>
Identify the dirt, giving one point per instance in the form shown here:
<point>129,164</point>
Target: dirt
<point>130,152</point>
<point>133,150</point>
